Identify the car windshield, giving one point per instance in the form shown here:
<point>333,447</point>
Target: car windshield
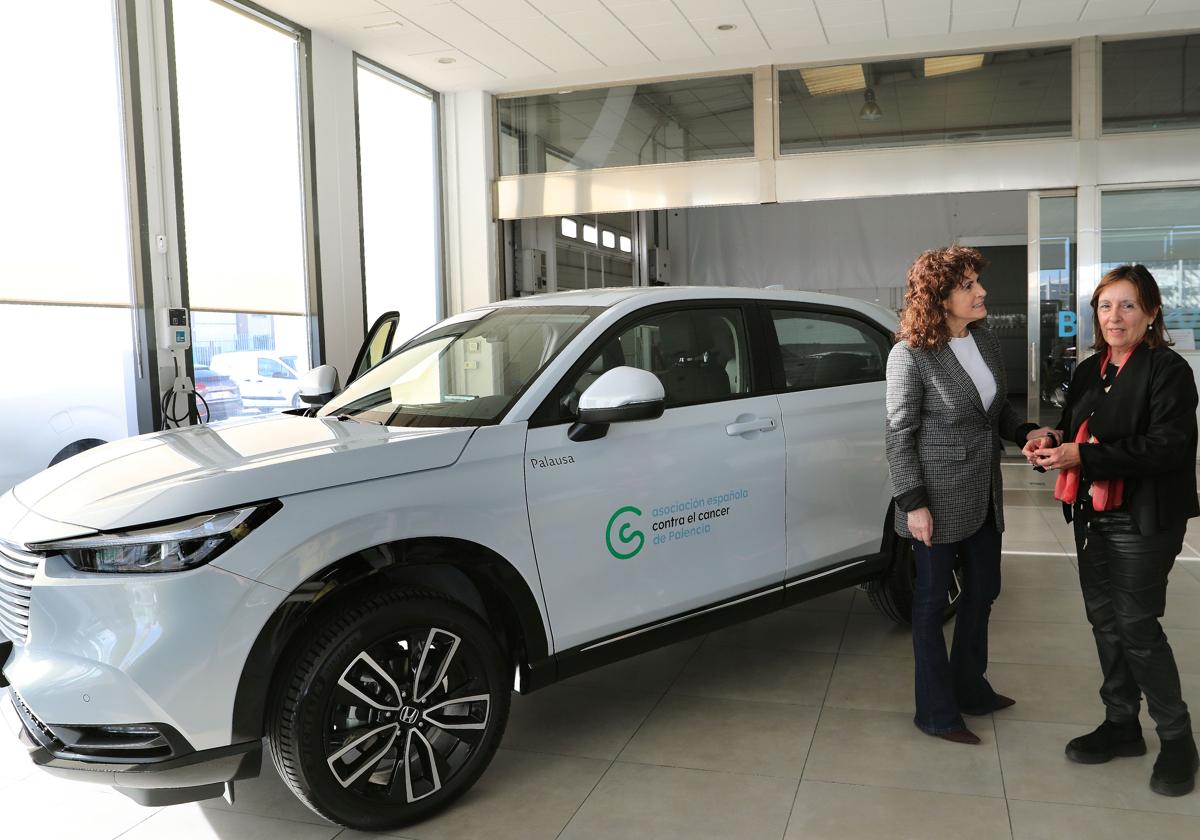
<point>462,372</point>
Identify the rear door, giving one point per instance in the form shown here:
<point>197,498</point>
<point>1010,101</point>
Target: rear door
<point>659,517</point>
<point>829,366</point>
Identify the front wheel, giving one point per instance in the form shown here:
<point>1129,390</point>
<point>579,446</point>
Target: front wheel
<point>892,592</point>
<point>389,710</point>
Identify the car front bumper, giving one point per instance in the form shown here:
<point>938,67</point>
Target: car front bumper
<point>186,775</point>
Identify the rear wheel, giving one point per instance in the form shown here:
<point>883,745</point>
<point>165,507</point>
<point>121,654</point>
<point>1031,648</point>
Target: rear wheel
<point>892,592</point>
<point>389,710</point>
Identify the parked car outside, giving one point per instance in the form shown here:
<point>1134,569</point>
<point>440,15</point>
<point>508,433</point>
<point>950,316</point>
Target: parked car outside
<point>521,493</point>
<point>267,381</point>
<point>222,399</point>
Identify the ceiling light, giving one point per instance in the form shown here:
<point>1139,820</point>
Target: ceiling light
<point>387,24</point>
<point>726,27</point>
<point>841,79</point>
<point>946,64</point>
<point>870,111</point>
<point>446,60</point>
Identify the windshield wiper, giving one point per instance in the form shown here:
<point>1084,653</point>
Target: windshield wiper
<point>346,418</point>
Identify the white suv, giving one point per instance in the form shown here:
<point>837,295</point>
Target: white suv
<point>520,493</point>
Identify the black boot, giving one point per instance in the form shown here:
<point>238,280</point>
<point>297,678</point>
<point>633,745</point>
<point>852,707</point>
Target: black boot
<point>1175,771</point>
<point>1106,742</point>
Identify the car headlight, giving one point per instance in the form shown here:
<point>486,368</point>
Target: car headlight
<point>170,547</point>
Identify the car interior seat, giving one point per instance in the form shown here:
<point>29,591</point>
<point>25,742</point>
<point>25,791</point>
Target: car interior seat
<point>838,368</point>
<point>694,369</point>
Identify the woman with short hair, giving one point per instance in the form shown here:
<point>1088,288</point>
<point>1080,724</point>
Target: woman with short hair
<point>947,408</point>
<point>1127,479</point>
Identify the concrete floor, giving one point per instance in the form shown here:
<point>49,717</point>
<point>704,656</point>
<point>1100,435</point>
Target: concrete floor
<point>796,725</point>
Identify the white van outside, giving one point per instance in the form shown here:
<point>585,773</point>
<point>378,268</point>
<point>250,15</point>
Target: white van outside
<point>267,380</point>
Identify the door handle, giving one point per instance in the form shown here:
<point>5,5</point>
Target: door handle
<point>757,424</point>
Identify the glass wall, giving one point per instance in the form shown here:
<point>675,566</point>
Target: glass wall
<point>242,176</point>
<point>399,189</point>
<point>1161,230</point>
<point>1058,328</point>
<point>558,254</point>
<point>66,326</point>
<point>1151,84</point>
<point>1008,95</point>
<point>657,122</point>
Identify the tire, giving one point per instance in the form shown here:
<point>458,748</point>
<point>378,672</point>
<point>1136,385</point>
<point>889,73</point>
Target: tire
<point>892,592</point>
<point>418,751</point>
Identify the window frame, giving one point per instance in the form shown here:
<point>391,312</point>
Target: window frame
<point>548,412</point>
<point>766,326</point>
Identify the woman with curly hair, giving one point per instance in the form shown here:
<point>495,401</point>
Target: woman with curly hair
<point>947,408</point>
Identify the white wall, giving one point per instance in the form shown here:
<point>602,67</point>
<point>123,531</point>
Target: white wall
<point>860,247</point>
<point>336,163</point>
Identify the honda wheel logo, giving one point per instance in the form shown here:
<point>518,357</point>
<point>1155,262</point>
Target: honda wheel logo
<point>409,715</point>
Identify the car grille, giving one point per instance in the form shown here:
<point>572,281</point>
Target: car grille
<point>17,569</point>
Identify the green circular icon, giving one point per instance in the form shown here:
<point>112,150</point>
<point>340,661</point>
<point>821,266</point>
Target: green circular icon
<point>624,536</point>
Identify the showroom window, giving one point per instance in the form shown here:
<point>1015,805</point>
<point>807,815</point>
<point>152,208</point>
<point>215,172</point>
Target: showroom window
<point>250,274</point>
<point>707,118</point>
<point>1161,230</point>
<point>558,255</point>
<point>1151,84</point>
<point>399,189</point>
<point>67,333</point>
<point>824,350</point>
<point>1008,95</point>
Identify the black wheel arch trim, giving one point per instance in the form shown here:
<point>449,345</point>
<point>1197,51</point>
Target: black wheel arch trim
<point>471,573</point>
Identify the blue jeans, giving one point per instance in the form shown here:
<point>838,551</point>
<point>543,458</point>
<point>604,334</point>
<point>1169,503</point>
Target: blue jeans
<point>944,685</point>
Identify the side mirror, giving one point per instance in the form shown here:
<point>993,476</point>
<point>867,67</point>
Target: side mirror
<point>318,385</point>
<point>620,395</point>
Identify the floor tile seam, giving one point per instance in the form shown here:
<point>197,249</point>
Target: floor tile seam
<point>994,796</point>
<point>233,809</point>
<point>1003,781</point>
<point>560,754</point>
<point>817,724</point>
<point>1106,807</point>
<point>586,797</point>
<point>787,703</point>
<point>148,816</point>
<point>622,759</point>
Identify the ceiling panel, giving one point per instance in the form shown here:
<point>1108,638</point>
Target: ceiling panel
<point>525,44</point>
<point>604,37</point>
<point>1042,12</point>
<point>913,27</point>
<point>850,12</point>
<point>673,40</point>
<point>1104,9</point>
<point>463,30</point>
<point>542,38</point>
<point>866,32</point>
<point>982,21</point>
<point>647,13</point>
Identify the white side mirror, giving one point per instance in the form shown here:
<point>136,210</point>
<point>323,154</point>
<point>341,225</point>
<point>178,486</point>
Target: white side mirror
<point>620,395</point>
<point>318,385</point>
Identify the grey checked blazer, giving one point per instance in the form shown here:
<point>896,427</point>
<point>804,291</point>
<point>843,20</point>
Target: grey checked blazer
<point>939,437</point>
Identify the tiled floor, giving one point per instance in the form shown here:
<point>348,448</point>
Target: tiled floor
<point>797,725</point>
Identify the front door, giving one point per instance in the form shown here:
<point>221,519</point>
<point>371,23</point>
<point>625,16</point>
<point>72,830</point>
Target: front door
<point>659,517</point>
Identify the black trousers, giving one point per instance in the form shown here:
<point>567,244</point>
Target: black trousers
<point>1123,574</point>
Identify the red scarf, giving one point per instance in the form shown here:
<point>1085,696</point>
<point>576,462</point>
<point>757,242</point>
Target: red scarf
<point>1107,493</point>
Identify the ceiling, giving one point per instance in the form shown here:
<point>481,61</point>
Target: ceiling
<point>511,45</point>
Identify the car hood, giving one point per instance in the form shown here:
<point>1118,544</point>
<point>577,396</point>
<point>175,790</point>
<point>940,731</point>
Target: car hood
<point>179,472</point>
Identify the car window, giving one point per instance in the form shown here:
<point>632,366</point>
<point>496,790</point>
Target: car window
<point>824,349</point>
<point>463,373</point>
<point>700,355</point>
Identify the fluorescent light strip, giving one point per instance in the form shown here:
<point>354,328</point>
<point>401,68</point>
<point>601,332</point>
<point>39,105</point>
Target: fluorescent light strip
<point>843,78</point>
<point>944,65</point>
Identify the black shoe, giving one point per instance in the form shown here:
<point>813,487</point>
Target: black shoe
<point>998,702</point>
<point>961,736</point>
<point>1175,771</point>
<point>1106,742</point>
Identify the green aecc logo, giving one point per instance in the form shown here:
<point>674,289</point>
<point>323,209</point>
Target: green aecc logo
<point>624,536</point>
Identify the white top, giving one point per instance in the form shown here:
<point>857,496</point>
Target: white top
<point>968,356</point>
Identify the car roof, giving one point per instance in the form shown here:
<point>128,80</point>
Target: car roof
<point>645,296</point>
